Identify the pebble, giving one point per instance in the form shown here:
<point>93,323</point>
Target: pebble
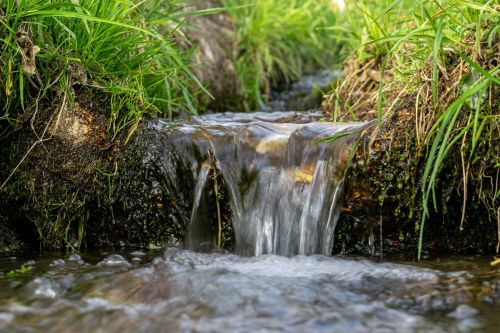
<point>7,317</point>
<point>463,311</point>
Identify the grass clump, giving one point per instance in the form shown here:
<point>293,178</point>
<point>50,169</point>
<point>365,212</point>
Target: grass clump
<point>439,61</point>
<point>49,48</point>
<point>76,78</point>
<point>279,40</point>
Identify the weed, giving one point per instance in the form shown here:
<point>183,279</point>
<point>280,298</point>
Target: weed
<point>22,270</point>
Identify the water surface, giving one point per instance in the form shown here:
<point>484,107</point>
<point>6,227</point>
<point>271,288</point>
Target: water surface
<point>182,291</point>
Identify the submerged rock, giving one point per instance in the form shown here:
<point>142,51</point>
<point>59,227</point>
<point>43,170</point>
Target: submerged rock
<point>44,288</point>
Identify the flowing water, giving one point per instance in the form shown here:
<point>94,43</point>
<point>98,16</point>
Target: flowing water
<point>285,185</point>
<point>284,189</point>
<point>182,291</point>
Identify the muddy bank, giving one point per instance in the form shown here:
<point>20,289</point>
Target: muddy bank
<point>70,179</point>
<point>92,194</point>
<point>214,58</point>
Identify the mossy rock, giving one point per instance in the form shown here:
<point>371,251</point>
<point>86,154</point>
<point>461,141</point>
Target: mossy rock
<point>10,243</point>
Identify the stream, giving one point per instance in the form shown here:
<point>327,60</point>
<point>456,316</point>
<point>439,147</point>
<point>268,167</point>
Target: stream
<point>176,290</point>
<point>270,269</point>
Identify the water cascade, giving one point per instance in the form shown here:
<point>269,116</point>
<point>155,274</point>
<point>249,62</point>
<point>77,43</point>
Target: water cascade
<point>285,186</point>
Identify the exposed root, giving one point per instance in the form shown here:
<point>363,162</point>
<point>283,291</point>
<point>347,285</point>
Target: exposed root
<point>41,139</point>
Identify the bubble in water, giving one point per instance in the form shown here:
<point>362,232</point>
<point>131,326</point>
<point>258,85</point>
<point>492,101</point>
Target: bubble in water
<point>58,263</point>
<point>114,260</point>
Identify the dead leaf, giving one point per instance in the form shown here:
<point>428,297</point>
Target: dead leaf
<point>375,75</point>
<point>28,50</point>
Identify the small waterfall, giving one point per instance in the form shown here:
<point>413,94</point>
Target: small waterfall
<point>285,186</point>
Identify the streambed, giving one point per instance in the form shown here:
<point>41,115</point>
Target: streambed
<point>182,291</point>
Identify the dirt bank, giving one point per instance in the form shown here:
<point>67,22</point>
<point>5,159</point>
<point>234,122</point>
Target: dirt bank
<point>384,192</point>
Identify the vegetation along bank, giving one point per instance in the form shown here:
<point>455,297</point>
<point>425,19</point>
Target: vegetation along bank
<point>79,79</point>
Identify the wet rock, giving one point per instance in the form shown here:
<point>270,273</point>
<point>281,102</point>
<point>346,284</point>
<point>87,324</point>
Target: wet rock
<point>305,94</point>
<point>466,318</point>
<point>114,260</point>
<point>463,311</point>
<point>57,263</point>
<point>44,288</point>
<point>153,194</point>
<point>74,257</point>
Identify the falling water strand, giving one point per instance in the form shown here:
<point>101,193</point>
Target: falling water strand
<point>217,201</point>
<point>197,213</point>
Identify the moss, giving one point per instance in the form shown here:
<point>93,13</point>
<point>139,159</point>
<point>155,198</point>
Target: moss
<point>384,186</point>
<point>10,242</point>
<point>152,197</point>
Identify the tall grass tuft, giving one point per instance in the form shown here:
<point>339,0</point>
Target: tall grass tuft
<point>277,40</point>
<point>47,47</point>
<point>443,55</point>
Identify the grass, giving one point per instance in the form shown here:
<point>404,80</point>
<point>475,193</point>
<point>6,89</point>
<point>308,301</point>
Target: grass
<point>444,55</point>
<point>124,49</point>
<point>279,40</point>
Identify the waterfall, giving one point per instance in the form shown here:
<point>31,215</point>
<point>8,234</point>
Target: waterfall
<point>285,186</point>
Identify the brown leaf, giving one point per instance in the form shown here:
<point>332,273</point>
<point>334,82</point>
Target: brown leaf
<point>28,50</point>
<point>29,60</point>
